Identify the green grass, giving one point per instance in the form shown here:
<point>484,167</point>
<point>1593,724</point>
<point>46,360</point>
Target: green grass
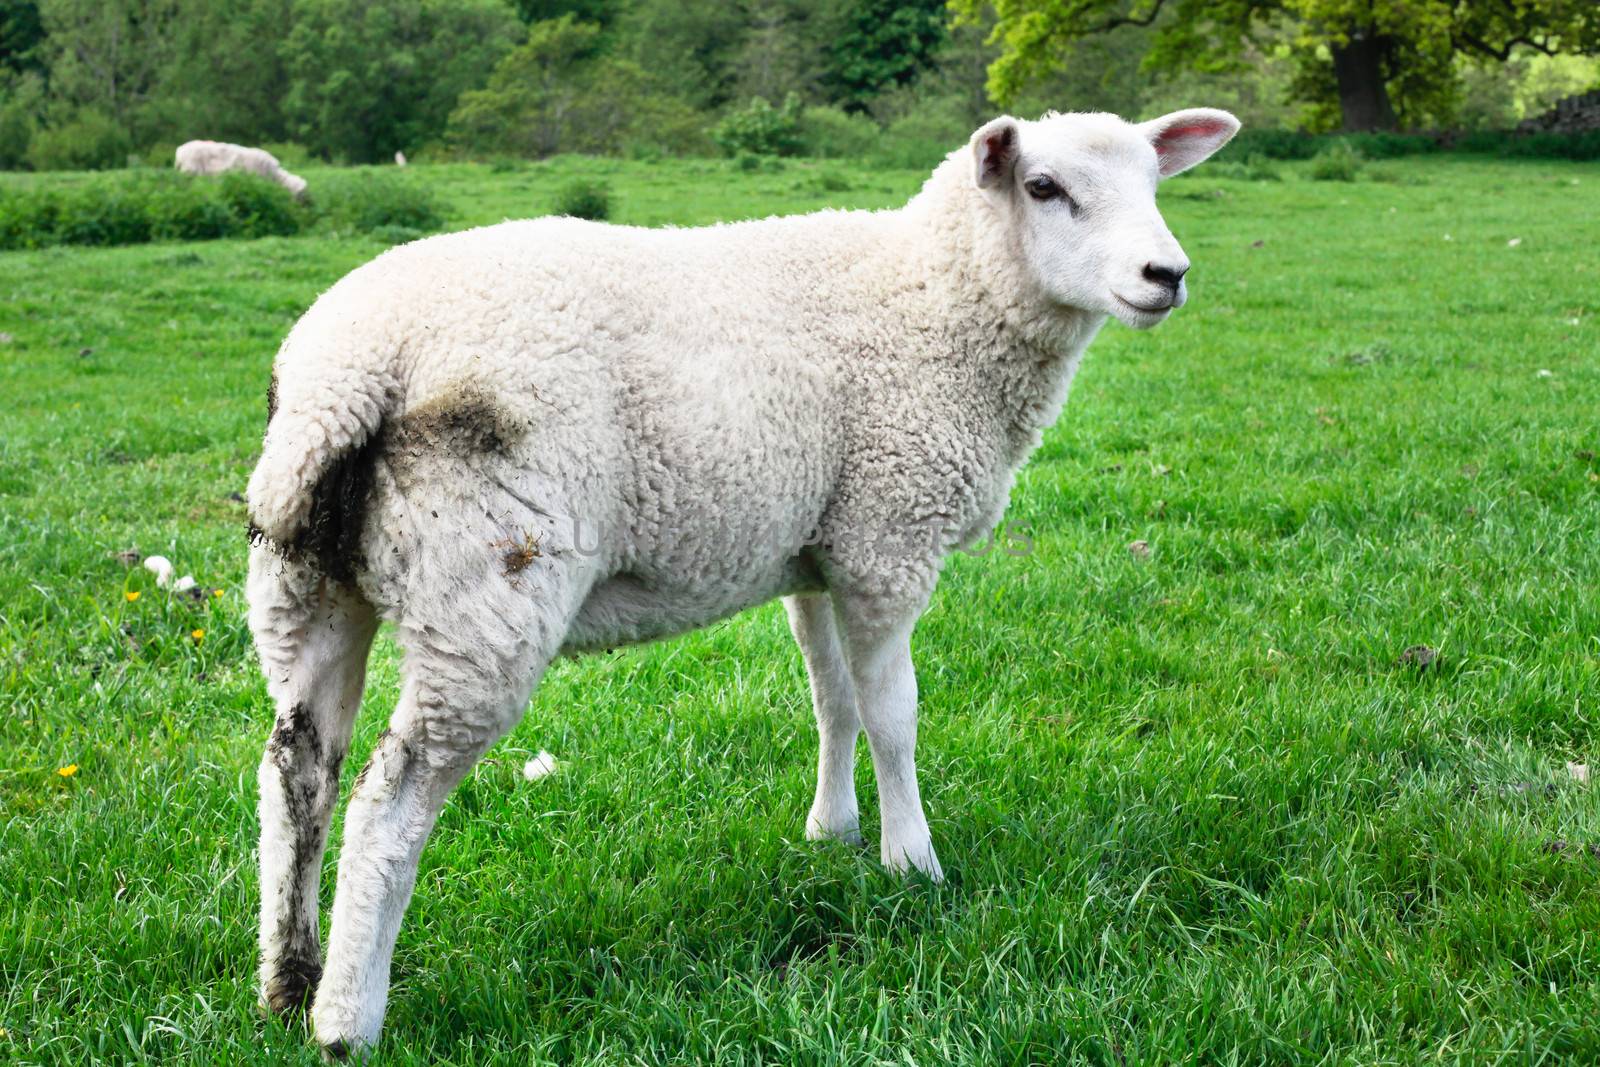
<point>1193,807</point>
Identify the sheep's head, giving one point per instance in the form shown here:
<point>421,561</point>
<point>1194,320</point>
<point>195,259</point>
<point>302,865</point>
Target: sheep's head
<point>1079,195</point>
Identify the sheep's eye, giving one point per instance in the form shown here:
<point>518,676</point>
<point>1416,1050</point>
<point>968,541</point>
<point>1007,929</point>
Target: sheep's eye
<point>1042,188</point>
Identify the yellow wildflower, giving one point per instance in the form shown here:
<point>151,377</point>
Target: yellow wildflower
<point>68,771</point>
<point>216,592</point>
<point>132,595</point>
<point>197,634</point>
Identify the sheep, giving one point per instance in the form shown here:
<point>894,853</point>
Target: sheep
<point>217,157</point>
<point>554,437</point>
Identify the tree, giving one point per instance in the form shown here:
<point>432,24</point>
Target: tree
<point>559,92</point>
<point>20,35</point>
<point>885,43</point>
<point>1383,62</point>
<point>369,77</point>
<point>226,82</point>
<point>108,56</point>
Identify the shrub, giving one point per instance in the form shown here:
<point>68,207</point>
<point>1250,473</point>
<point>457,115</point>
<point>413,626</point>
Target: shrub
<point>583,199</point>
<point>1271,144</point>
<point>761,128</point>
<point>748,162</point>
<point>259,208</point>
<point>104,213</point>
<point>291,154</point>
<point>20,104</point>
<point>1390,145</point>
<point>1255,168</point>
<point>136,207</point>
<point>1338,162</point>
<point>89,141</point>
<point>369,199</point>
<point>921,139</point>
<point>831,133</point>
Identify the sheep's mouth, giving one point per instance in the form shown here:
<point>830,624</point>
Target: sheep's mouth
<point>1157,309</point>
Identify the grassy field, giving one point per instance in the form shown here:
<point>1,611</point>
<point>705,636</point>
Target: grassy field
<point>1199,806</point>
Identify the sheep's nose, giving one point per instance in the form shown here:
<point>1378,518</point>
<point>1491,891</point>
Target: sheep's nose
<point>1171,277</point>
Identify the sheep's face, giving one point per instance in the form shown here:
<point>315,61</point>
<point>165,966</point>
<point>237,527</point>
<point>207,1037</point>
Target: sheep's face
<point>1079,194</point>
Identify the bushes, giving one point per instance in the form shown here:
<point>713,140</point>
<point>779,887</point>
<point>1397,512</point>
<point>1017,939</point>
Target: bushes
<point>368,200</point>
<point>1336,163</point>
<point>138,206</point>
<point>1254,168</point>
<point>1282,144</point>
<point>584,200</point>
<point>830,133</point>
<point>89,141</point>
<point>761,129</point>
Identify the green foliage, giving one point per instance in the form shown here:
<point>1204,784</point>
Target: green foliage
<point>1253,168</point>
<point>21,101</point>
<point>1338,162</point>
<point>760,128</point>
<point>90,140</point>
<point>1402,52</point>
<point>21,34</point>
<point>584,199</point>
<point>120,209</point>
<point>922,138</point>
<point>833,133</point>
<point>1283,144</point>
<point>556,92</point>
<point>369,77</point>
<point>133,207</point>
<point>885,43</point>
<point>366,200</point>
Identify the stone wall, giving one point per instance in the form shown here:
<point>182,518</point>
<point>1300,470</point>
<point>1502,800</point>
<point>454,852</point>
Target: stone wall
<point>1575,114</point>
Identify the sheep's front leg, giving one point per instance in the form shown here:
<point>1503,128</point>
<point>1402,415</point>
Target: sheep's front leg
<point>879,644</point>
<point>313,637</point>
<point>834,813</point>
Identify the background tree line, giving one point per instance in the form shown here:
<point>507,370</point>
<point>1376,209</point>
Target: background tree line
<point>86,83</point>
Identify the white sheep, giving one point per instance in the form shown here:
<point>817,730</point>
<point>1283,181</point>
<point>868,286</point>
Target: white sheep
<point>218,157</point>
<point>557,436</point>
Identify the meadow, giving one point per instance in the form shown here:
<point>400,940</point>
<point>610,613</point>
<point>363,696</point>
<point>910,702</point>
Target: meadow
<point>1288,783</point>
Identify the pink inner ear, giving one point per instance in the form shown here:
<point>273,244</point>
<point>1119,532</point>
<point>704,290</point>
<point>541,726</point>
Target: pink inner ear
<point>997,147</point>
<point>1182,133</point>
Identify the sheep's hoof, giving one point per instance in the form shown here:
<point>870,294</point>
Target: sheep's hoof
<point>336,1051</point>
<point>821,829</point>
<point>290,990</point>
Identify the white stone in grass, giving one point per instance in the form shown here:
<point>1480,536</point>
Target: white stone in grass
<point>161,567</point>
<point>1514,242</point>
<point>1579,772</point>
<point>183,584</point>
<point>540,766</point>
<point>1544,372</point>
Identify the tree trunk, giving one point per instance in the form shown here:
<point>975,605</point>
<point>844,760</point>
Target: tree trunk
<point>1363,95</point>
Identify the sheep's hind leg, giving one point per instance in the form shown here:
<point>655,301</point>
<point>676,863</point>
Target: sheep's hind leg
<point>472,657</point>
<point>313,636</point>
<point>834,813</point>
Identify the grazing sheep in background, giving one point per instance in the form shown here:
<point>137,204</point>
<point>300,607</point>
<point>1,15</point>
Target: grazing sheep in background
<point>558,436</point>
<point>217,157</point>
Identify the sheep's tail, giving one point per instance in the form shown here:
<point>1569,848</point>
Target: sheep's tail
<point>312,479</point>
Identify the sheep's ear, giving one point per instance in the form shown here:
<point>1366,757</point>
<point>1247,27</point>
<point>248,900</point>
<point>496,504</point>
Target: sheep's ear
<point>1185,138</point>
<point>994,152</point>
